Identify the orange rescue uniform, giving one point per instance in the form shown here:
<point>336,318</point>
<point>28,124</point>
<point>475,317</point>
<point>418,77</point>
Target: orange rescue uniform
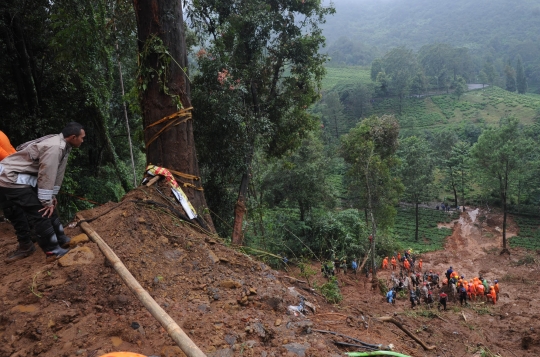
<point>5,146</point>
<point>394,263</point>
<point>492,294</point>
<point>406,264</point>
<point>480,290</point>
<point>420,264</point>
<point>385,263</point>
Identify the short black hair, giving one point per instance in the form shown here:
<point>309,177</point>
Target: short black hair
<point>72,128</point>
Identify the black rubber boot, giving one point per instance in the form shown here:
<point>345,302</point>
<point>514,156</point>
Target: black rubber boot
<point>50,244</point>
<point>21,253</point>
<point>63,239</point>
<point>55,253</point>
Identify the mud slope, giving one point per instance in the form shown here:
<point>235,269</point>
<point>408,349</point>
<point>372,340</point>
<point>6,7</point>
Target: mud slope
<point>232,305</point>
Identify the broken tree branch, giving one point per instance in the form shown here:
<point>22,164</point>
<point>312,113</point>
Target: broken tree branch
<point>353,339</point>
<point>439,316</point>
<point>410,334</point>
<point>339,343</point>
<point>294,279</point>
<point>172,328</point>
<point>153,180</point>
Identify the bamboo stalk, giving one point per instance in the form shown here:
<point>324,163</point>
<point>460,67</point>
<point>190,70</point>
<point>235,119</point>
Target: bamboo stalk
<point>172,328</point>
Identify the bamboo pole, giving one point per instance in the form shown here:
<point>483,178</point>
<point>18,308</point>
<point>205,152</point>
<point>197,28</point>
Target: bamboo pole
<point>172,328</point>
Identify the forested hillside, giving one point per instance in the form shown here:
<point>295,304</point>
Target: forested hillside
<point>362,30</point>
<point>291,162</point>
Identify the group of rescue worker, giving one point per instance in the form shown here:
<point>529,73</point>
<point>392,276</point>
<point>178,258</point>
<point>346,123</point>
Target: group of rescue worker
<point>30,178</point>
<point>420,284</point>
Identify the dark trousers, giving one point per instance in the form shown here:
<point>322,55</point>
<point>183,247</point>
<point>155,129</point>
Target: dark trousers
<point>18,219</point>
<point>443,303</point>
<point>26,208</point>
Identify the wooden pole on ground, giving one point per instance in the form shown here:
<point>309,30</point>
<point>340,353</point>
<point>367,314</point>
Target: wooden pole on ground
<point>409,333</point>
<point>172,328</point>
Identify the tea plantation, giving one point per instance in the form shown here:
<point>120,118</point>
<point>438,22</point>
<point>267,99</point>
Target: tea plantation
<point>430,237</point>
<point>529,233</point>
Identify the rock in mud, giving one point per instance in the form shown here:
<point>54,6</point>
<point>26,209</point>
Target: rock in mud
<point>77,256</point>
<point>224,352</point>
<point>231,284</point>
<point>78,239</point>
<point>172,351</point>
<point>213,257</point>
<point>298,349</point>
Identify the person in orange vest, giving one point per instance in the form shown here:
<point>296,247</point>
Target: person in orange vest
<point>385,263</point>
<point>480,291</point>
<point>420,264</point>
<point>496,286</point>
<point>399,256</point>
<point>394,263</point>
<point>471,291</point>
<point>492,294</point>
<point>406,265</point>
<point>6,148</point>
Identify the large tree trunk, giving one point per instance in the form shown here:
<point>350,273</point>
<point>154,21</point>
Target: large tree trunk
<point>174,148</point>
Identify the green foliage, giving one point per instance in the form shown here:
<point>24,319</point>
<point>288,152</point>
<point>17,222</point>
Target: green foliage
<point>300,179</point>
<point>154,49</point>
<point>416,168</point>
<point>344,75</point>
<point>369,149</point>
<point>497,30</point>
<point>73,76</point>
<point>460,87</point>
<point>323,232</point>
<point>330,291</point>
<point>500,156</point>
<point>306,271</point>
<point>510,74</point>
<point>259,70</point>
<point>529,233</point>
<point>521,79</point>
<point>431,238</point>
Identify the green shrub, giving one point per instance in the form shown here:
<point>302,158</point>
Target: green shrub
<point>330,291</point>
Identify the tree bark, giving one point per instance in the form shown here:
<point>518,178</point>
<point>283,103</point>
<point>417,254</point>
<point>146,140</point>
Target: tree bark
<point>416,224</point>
<point>240,210</point>
<point>174,148</point>
<point>505,198</point>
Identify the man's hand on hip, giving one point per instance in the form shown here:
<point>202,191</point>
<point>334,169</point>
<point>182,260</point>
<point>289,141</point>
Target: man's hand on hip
<point>47,211</point>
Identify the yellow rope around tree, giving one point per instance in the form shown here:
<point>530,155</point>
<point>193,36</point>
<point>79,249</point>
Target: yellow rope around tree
<point>181,116</point>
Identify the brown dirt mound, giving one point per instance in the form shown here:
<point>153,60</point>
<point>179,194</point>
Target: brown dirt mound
<point>226,301</point>
<point>229,303</point>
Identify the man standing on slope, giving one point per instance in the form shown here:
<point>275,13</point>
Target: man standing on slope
<point>31,178</point>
